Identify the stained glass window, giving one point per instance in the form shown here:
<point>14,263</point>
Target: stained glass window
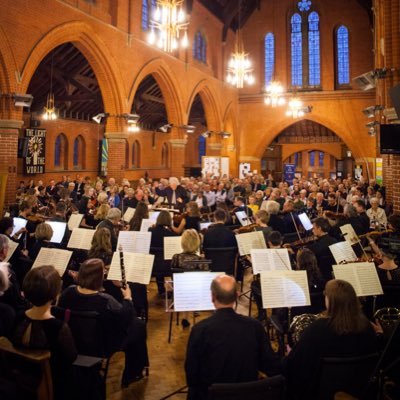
<point>76,152</point>
<point>321,158</point>
<point>297,51</point>
<point>203,49</point>
<point>57,151</point>
<point>304,5</point>
<point>200,47</point>
<point>314,66</point>
<point>148,8</point>
<point>202,147</point>
<point>342,51</point>
<point>296,159</point>
<point>312,158</point>
<point>269,50</point>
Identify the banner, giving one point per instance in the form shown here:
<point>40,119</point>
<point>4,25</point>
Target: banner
<point>379,171</point>
<point>104,157</point>
<point>34,162</point>
<point>288,173</point>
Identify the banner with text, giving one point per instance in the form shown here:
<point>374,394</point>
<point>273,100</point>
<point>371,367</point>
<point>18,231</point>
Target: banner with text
<point>288,173</point>
<point>34,162</point>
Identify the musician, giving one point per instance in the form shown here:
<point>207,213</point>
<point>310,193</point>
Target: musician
<point>344,332</point>
<point>43,234</point>
<point>218,235</point>
<point>240,205</point>
<point>79,186</point>
<point>84,202</point>
<point>289,218</point>
<point>261,219</point>
<point>60,216</point>
<point>121,326</point>
<point>321,247</point>
<point>42,196</point>
<point>275,221</point>
<point>51,189</point>
<point>333,204</point>
<point>91,220</point>
<point>7,314</point>
<point>388,270</point>
<point>359,205</point>
<point>226,347</point>
<point>376,215</point>
<point>141,213</point>
<point>112,224</point>
<point>175,193</point>
<point>72,193</point>
<point>25,212</point>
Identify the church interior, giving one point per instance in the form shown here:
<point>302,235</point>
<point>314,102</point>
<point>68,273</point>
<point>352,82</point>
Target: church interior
<point>272,93</point>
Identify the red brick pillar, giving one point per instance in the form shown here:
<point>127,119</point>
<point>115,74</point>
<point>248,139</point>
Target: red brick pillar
<point>9,155</point>
<point>178,147</point>
<point>116,155</point>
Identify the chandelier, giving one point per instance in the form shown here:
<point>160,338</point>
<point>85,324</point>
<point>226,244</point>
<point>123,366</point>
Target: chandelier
<point>274,95</point>
<point>168,21</point>
<point>49,112</point>
<point>296,108</point>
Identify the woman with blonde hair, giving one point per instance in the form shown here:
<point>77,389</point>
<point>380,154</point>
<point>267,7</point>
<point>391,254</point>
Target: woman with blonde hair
<point>43,234</point>
<point>101,246</point>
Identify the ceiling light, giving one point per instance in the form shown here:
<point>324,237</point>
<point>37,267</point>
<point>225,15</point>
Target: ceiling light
<point>165,128</point>
<point>274,95</point>
<point>22,100</point>
<point>372,124</point>
<point>225,135</point>
<point>371,111</point>
<point>99,117</point>
<point>206,134</point>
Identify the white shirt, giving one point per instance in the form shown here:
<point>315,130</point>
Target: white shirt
<point>210,196</point>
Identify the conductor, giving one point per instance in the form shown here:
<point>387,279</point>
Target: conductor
<point>226,347</point>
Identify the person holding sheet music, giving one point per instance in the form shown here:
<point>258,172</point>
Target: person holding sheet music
<point>36,328</point>
<point>122,329</point>
<point>226,347</point>
<point>344,331</point>
<point>141,212</point>
<point>161,229</point>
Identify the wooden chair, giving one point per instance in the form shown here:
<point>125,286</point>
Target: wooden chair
<point>40,358</point>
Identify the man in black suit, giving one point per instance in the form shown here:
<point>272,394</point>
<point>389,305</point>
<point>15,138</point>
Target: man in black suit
<point>217,234</point>
<point>176,194</point>
<point>321,247</point>
<point>226,347</point>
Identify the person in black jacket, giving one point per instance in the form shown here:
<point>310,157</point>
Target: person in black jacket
<point>7,314</point>
<point>176,194</point>
<point>121,327</point>
<point>226,347</point>
<point>218,235</point>
<point>111,223</point>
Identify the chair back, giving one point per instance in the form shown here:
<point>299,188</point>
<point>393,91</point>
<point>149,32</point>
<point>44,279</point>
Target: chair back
<point>349,374</point>
<point>266,389</point>
<point>223,259</point>
<point>27,372</point>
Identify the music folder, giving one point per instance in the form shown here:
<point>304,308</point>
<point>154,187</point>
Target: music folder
<point>342,251</point>
<point>205,225</point>
<point>270,259</point>
<point>243,218</point>
<point>305,221</point>
<point>58,230</point>
<point>81,239</point>
<point>248,241</point>
<point>58,258</point>
<point>75,221</point>
<point>18,224</point>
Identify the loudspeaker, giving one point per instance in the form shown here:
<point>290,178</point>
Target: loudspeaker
<point>23,147</point>
<point>394,93</point>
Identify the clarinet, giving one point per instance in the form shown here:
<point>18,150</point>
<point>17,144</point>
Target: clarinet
<point>121,262</point>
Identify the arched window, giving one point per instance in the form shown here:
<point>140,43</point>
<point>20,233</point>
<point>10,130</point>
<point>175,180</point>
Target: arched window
<point>127,154</point>
<point>79,153</point>
<point>200,47</point>
<point>269,55</point>
<point>61,152</point>
<point>164,155</point>
<point>135,154</point>
<point>202,147</point>
<point>297,51</point>
<point>312,158</point>
<point>321,158</point>
<point>314,67</point>
<point>148,8</point>
<point>342,56</point>
<point>305,47</point>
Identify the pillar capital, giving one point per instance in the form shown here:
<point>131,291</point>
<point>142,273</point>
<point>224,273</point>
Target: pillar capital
<point>215,146</point>
<point>116,136</point>
<point>11,124</point>
<point>178,143</point>
<point>248,159</point>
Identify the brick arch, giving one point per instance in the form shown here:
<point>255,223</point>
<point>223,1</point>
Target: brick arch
<point>282,124</point>
<point>8,65</point>
<point>86,40</point>
<point>169,86</point>
<point>210,105</point>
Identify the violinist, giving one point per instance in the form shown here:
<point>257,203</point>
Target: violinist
<point>60,216</point>
<point>333,204</point>
<point>240,205</point>
<point>261,218</point>
<point>25,212</point>
<point>84,202</point>
<point>112,224</point>
<point>190,220</point>
<point>218,235</point>
<point>130,200</point>
<point>320,247</point>
<point>275,221</point>
<point>141,212</point>
<point>364,219</point>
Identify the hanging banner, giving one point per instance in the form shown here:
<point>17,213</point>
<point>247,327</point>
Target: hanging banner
<point>244,170</point>
<point>379,171</point>
<point>358,172</point>
<point>34,162</point>
<point>288,172</point>
<point>104,157</point>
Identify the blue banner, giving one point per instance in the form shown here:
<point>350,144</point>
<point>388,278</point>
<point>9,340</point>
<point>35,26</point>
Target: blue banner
<point>288,173</point>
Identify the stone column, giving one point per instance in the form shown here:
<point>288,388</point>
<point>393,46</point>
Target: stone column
<point>116,154</point>
<point>177,159</point>
<point>9,130</point>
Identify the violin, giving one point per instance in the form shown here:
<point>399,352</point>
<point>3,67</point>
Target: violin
<point>302,242</point>
<point>333,215</point>
<point>375,234</point>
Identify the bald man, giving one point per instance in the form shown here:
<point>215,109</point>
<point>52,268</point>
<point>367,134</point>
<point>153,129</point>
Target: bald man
<point>226,347</point>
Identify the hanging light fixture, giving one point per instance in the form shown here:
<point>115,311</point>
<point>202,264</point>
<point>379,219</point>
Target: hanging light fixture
<point>133,123</point>
<point>50,112</point>
<point>239,66</point>
<point>296,109</point>
<point>168,21</point>
<point>274,94</point>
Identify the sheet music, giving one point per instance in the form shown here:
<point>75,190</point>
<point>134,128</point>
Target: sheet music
<point>81,239</point>
<point>205,225</point>
<point>146,224</point>
<point>172,245</point>
<point>243,218</point>
<point>58,258</point>
<point>342,251</point>
<point>248,241</point>
<point>270,259</point>
<point>18,224</point>
<point>153,215</point>
<point>58,230</point>
<point>134,242</point>
<point>349,233</point>
<point>284,289</point>
<point>305,221</point>
<point>74,221</point>
<point>138,267</point>
<point>12,246</point>
<point>362,276</point>
<point>129,214</point>
<point>192,291</point>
